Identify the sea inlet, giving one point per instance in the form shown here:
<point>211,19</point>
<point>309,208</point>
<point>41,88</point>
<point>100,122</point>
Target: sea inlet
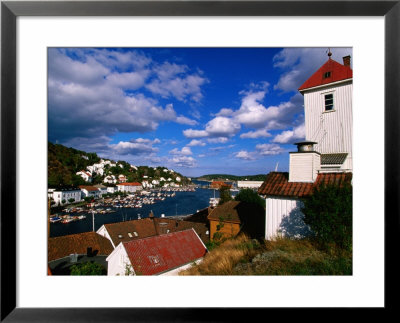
<point>183,203</point>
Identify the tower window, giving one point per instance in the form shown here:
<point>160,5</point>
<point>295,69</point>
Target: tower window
<point>327,74</point>
<point>329,102</point>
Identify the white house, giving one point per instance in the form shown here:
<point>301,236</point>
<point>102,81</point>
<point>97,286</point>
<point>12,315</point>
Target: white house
<point>102,189</point>
<point>112,189</point>
<point>249,184</point>
<point>65,194</point>
<point>178,179</point>
<point>129,187</point>
<point>325,156</point>
<point>85,175</point>
<point>121,178</point>
<point>90,191</point>
<point>110,179</point>
<point>165,254</point>
<point>50,192</point>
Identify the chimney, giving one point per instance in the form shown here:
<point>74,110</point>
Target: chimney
<point>346,60</point>
<point>305,163</point>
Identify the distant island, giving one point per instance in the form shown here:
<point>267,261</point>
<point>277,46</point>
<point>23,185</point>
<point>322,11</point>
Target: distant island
<point>227,177</point>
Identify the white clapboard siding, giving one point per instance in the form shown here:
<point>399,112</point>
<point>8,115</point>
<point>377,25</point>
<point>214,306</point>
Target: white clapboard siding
<point>331,130</point>
<point>284,218</point>
<point>118,261</point>
<point>303,167</point>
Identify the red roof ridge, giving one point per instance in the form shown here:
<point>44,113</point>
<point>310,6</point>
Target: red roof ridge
<point>277,185</point>
<point>155,236</point>
<point>337,72</point>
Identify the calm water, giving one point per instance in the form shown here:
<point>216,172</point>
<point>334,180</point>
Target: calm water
<point>183,203</point>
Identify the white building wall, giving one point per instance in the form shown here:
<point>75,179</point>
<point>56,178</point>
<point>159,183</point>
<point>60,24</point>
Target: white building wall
<point>284,218</point>
<point>131,189</point>
<point>58,196</point>
<point>249,184</point>
<point>117,261</point>
<point>303,167</point>
<point>332,130</point>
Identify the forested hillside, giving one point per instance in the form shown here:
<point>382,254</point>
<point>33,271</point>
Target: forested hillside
<point>64,162</point>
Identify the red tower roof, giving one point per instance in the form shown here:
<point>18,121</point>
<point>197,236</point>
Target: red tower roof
<point>330,72</point>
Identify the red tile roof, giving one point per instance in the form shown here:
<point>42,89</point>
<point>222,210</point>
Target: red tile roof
<point>60,247</point>
<point>88,188</point>
<point>130,184</point>
<point>338,72</point>
<point>158,254</point>
<point>227,211</point>
<point>125,231</point>
<point>277,184</point>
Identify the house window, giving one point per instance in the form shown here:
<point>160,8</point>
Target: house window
<point>329,102</point>
<point>154,260</point>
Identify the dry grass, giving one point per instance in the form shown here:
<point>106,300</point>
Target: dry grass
<point>221,260</point>
<point>242,256</point>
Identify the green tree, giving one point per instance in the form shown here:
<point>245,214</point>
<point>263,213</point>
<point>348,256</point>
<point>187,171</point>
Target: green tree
<point>224,194</point>
<point>250,196</point>
<point>328,212</point>
<point>71,200</point>
<point>88,269</point>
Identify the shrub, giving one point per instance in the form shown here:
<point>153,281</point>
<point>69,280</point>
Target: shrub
<point>88,269</point>
<point>224,194</point>
<point>250,196</point>
<point>328,212</point>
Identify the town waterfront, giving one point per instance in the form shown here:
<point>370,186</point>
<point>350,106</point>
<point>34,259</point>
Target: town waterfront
<point>183,203</point>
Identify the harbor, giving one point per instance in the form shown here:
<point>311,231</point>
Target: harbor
<point>168,203</point>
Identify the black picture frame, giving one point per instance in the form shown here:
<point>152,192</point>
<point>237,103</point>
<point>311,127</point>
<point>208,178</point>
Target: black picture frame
<point>10,10</point>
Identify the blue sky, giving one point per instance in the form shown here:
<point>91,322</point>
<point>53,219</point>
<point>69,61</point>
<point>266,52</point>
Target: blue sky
<point>195,110</point>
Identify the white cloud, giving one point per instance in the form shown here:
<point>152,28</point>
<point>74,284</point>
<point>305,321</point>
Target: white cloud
<point>224,112</point>
<point>290,136</point>
<point>269,149</point>
<point>218,129</point>
<point>260,133</point>
<point>196,142</point>
<point>190,133</point>
<point>185,120</point>
<point>183,161</point>
<point>219,140</point>
<point>243,154</point>
<point>91,92</point>
<point>184,151</point>
<point>127,81</point>
<point>260,151</point>
<point>174,80</point>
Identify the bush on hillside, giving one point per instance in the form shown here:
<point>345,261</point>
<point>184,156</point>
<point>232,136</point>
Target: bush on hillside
<point>250,196</point>
<point>328,212</point>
